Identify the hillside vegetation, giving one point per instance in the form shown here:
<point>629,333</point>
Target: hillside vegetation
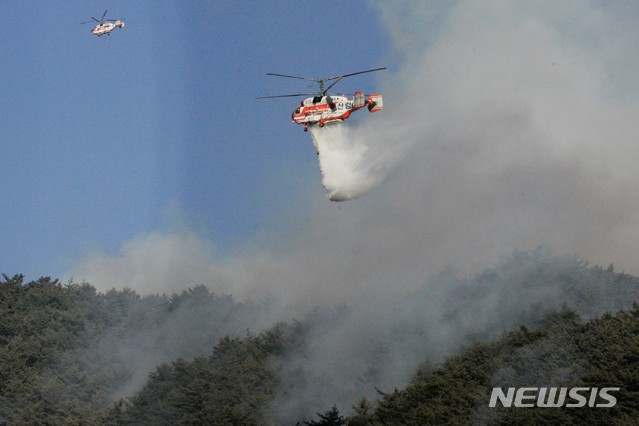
<point>562,352</point>
<point>68,352</point>
<point>72,355</point>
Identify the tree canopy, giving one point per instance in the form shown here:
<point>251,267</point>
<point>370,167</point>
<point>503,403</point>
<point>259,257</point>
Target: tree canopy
<point>72,355</point>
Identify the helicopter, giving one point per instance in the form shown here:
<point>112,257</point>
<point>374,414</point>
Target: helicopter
<point>322,108</point>
<point>104,26</point>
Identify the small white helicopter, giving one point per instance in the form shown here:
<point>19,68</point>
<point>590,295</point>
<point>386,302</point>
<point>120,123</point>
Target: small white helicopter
<point>323,108</point>
<point>105,26</point>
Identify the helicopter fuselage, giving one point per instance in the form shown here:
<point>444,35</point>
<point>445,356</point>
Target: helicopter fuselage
<point>106,27</point>
<point>325,109</point>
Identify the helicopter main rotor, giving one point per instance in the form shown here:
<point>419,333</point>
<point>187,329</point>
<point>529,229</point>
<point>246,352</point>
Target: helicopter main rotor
<point>101,20</point>
<point>320,81</point>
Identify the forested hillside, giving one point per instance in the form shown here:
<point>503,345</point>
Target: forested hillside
<point>72,355</point>
<point>563,351</point>
<point>68,352</point>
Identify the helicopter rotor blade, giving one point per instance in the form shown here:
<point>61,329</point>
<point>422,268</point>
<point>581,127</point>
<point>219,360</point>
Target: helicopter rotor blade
<point>285,96</point>
<point>292,76</point>
<point>333,84</point>
<point>321,81</point>
<point>356,73</point>
<point>104,14</point>
<point>339,77</point>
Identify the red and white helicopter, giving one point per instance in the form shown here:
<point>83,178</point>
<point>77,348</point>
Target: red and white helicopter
<point>322,108</point>
<point>104,26</point>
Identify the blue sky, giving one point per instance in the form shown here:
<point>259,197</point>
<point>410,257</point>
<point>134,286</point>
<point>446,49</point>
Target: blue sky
<point>106,138</point>
<point>515,124</point>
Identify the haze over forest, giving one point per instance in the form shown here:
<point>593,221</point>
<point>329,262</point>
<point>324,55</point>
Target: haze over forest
<point>71,354</point>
